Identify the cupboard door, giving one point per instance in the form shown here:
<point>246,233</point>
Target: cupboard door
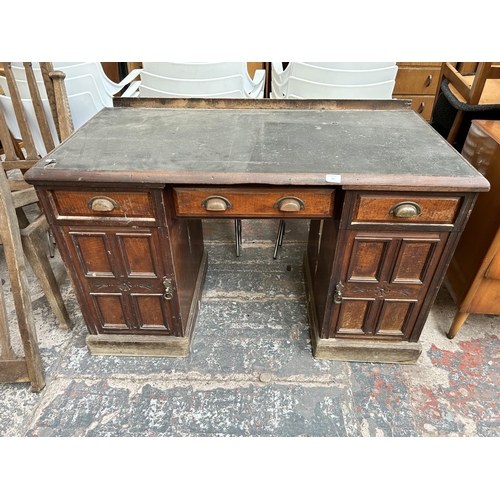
<point>384,279</point>
<point>125,284</point>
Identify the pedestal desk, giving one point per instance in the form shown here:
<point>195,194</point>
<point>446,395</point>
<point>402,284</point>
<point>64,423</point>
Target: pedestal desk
<point>387,198</point>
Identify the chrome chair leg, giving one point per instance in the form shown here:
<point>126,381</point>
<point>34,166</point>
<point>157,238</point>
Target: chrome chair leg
<point>237,231</point>
<point>279,237</point>
<point>51,243</point>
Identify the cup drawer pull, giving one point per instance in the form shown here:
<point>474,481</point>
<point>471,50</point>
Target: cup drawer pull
<point>102,204</point>
<point>405,210</point>
<point>216,204</point>
<point>290,204</point>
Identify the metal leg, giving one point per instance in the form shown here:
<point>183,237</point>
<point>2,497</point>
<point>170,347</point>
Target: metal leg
<point>237,231</point>
<point>279,238</point>
<point>51,243</point>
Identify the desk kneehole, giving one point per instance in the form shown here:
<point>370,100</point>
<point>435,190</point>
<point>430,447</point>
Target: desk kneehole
<point>306,203</point>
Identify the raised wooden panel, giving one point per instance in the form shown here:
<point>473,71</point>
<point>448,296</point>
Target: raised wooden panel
<point>413,260</point>
<point>394,317</point>
<point>353,315</point>
<point>110,310</point>
<point>367,258</point>
<point>93,253</point>
<point>151,312</point>
<point>138,251</point>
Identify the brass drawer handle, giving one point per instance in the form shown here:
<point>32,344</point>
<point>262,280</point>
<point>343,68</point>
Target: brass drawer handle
<point>405,210</point>
<point>102,204</point>
<point>216,204</point>
<point>290,204</point>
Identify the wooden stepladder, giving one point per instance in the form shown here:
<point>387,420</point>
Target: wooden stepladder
<point>19,236</point>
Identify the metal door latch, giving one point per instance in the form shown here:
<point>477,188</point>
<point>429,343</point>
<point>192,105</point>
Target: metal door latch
<point>337,298</point>
<point>167,285</point>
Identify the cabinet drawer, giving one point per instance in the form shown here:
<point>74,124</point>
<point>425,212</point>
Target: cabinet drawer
<point>406,209</point>
<point>253,202</point>
<point>416,81</point>
<point>91,204</point>
<point>422,104</point>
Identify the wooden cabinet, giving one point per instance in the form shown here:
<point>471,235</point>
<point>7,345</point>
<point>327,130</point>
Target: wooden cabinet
<point>383,282</point>
<point>394,247</point>
<point>418,81</point>
<point>137,274</point>
<point>473,277</point>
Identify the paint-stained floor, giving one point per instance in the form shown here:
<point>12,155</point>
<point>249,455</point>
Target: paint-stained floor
<point>251,370</point>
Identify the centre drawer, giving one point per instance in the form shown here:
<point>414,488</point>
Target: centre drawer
<point>254,202</point>
<point>406,208</point>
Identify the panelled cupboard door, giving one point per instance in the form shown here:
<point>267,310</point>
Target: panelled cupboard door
<point>124,278</point>
<point>384,279</point>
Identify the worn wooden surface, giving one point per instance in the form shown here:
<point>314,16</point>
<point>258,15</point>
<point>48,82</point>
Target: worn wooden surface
<point>383,149</point>
<point>296,104</point>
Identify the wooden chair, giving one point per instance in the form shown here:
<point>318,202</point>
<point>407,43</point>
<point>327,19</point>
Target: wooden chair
<point>20,236</point>
<point>478,92</point>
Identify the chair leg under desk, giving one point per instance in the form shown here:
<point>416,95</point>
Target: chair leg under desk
<point>237,231</point>
<point>279,237</point>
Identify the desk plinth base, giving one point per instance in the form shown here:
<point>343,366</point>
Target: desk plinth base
<point>370,351</point>
<point>153,345</point>
<point>367,351</point>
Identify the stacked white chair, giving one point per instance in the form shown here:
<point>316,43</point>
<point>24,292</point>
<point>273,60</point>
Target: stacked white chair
<point>305,80</point>
<point>87,87</point>
<point>197,80</point>
<point>330,80</point>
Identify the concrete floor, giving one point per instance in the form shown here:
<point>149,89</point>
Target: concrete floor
<point>251,371</point>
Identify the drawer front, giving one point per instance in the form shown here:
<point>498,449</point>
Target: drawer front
<point>254,202</point>
<point>421,104</point>
<point>94,204</point>
<point>416,81</point>
<point>409,209</point>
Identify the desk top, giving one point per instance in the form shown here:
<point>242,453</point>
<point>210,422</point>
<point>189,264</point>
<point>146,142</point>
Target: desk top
<point>357,149</point>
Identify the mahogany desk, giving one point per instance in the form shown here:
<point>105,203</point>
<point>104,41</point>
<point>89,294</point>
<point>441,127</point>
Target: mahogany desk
<point>387,198</point>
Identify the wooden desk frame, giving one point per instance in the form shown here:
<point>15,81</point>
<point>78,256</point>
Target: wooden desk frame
<point>372,271</point>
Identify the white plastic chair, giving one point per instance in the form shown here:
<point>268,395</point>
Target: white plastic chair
<point>107,88</point>
<point>198,87</point>
<point>207,71</point>
<point>297,88</point>
<point>74,86</point>
<point>82,108</point>
<point>149,92</point>
<point>331,76</point>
